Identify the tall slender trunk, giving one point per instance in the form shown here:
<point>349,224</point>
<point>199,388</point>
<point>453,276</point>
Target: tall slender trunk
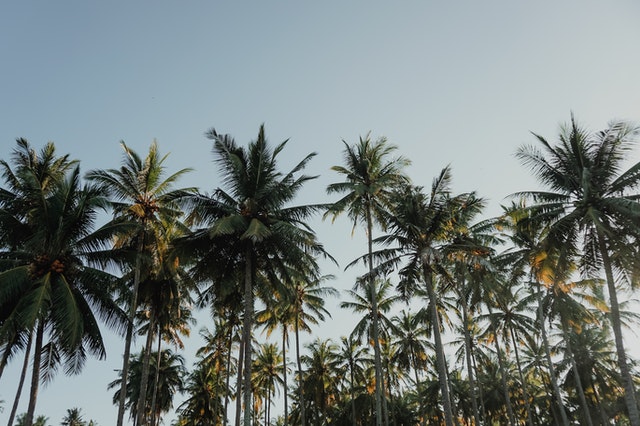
<point>616,324</point>
<point>303,420</point>
<point>547,351</point>
<point>228,377</point>
<point>374,322</point>
<point>503,374</point>
<point>23,376</point>
<point>129,334</point>
<point>144,377</point>
<point>467,352</point>
<point>35,375</point>
<point>523,383</point>
<point>284,375</point>
<point>576,373</point>
<point>353,396</point>
<point>414,361</point>
<point>239,381</point>
<point>437,337</point>
<point>156,381</point>
<point>246,334</point>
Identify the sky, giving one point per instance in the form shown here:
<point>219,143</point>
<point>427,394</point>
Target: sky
<point>450,83</point>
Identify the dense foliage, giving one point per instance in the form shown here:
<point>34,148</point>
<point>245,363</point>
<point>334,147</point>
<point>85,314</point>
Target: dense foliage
<point>461,319</point>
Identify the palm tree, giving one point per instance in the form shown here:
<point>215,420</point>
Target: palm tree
<point>410,343</point>
<point>252,227</point>
<point>73,418</point>
<point>170,383</point>
<point>204,405</point>
<point>352,356</point>
<point>49,285</point>
<point>142,195</point>
<point>425,229</point>
<point>590,203</point>
<point>370,177</point>
<point>268,373</point>
<point>296,305</point>
<point>321,378</point>
<point>36,174</point>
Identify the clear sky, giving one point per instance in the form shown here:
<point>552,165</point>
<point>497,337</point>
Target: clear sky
<point>460,83</point>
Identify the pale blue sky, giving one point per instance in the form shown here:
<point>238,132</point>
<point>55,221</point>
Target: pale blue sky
<point>460,83</point>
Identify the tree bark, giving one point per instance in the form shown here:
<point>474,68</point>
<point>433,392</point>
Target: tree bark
<point>144,378</point>
<point>23,376</point>
<point>35,375</point>
<point>246,334</point>
<point>616,324</point>
<point>547,351</point>
<point>129,334</point>
<point>503,374</point>
<point>440,360</point>
<point>374,323</point>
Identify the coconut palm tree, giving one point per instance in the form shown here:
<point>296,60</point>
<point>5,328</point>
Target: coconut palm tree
<point>424,229</point>
<point>371,174</point>
<point>591,203</point>
<point>251,225</point>
<point>352,356</point>
<point>142,195</point>
<point>268,371</point>
<point>50,284</point>
<point>73,418</point>
<point>295,306</point>
<point>321,379</point>
<point>170,383</point>
<point>410,343</point>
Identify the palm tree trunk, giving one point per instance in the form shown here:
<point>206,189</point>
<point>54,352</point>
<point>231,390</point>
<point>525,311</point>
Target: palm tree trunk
<point>284,374</point>
<point>576,373</point>
<point>374,323</point>
<point>228,378</point>
<point>440,360</point>
<point>503,374</point>
<point>35,375</point>
<point>144,378</point>
<point>23,376</point>
<point>616,324</point>
<point>303,420</point>
<point>129,334</point>
<point>154,419</point>
<point>525,391</point>
<point>246,334</point>
<point>353,396</point>
<point>239,381</point>
<point>467,352</point>
<point>547,351</point>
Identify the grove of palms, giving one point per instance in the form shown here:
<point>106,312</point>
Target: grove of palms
<point>458,318</point>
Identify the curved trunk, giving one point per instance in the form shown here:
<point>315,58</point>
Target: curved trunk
<point>523,383</point>
<point>440,360</point>
<point>35,375</point>
<point>144,378</point>
<point>374,324</point>
<point>576,373</point>
<point>129,334</point>
<point>503,374</point>
<point>467,352</point>
<point>547,351</point>
<point>23,376</point>
<point>246,334</point>
<point>616,324</point>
